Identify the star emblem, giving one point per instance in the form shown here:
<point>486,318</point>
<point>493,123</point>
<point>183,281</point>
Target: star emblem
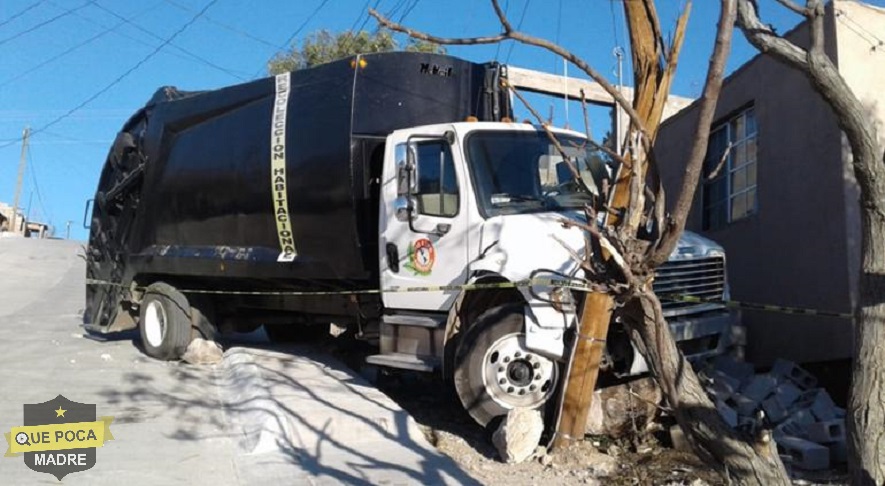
<point>60,412</point>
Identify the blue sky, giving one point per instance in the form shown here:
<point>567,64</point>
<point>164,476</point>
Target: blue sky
<point>41,81</point>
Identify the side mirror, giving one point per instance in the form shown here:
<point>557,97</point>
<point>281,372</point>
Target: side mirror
<point>86,213</point>
<point>406,170</point>
<point>404,208</point>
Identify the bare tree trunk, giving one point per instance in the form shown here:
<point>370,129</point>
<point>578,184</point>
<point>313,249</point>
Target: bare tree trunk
<point>741,461</point>
<point>866,406</point>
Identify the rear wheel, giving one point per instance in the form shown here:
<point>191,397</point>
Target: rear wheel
<point>164,324</point>
<point>495,371</point>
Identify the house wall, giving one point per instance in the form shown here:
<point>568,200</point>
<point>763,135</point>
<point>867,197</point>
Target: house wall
<point>794,250</point>
<point>860,28</point>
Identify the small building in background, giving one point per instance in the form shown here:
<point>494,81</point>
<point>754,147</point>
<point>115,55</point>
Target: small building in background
<point>20,226</point>
<point>778,189</point>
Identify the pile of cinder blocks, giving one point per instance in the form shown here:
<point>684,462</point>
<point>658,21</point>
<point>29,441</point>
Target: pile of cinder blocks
<point>808,428</point>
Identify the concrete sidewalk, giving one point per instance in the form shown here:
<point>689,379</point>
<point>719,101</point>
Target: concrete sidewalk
<point>264,415</point>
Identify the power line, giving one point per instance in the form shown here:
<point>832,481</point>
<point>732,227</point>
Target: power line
<point>223,25</point>
<point>525,8</point>
<point>409,10</point>
<point>33,171</point>
<point>46,22</point>
<point>304,24</point>
<point>498,44</point>
<point>875,43</point>
<point>125,35</point>
<point>174,46</point>
<point>285,45</point>
<point>22,12</point>
<point>558,31</point>
<point>120,78</point>
<point>72,48</point>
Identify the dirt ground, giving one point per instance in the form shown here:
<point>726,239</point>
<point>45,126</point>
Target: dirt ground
<point>647,459</point>
<point>449,428</point>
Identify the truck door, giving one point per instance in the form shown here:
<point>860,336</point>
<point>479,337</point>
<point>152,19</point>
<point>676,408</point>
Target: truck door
<point>423,218</point>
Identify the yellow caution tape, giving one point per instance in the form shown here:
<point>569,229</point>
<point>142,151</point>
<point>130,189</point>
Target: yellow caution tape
<point>547,282</point>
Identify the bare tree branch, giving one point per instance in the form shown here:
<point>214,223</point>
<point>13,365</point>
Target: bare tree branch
<point>525,39</point>
<point>793,6</point>
<point>707,109</point>
<point>721,163</point>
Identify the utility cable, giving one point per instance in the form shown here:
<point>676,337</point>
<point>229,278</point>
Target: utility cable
<point>174,46</point>
<point>121,77</point>
<point>525,8</point>
<point>224,25</point>
<point>33,172</point>
<point>73,48</point>
<point>123,34</point>
<point>22,12</point>
<point>409,10</point>
<point>285,45</point>
<point>46,22</point>
<point>498,44</point>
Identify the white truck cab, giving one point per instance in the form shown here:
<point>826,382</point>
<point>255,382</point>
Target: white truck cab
<point>483,202</point>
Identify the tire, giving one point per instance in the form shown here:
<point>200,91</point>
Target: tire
<point>295,333</point>
<point>164,322</point>
<point>495,372</point>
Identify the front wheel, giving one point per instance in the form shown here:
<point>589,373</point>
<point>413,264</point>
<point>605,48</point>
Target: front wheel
<point>495,371</point>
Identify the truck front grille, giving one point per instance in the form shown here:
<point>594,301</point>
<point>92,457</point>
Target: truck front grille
<point>701,277</point>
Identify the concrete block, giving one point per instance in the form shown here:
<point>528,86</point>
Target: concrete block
<point>789,428</point>
<point>744,406</point>
<point>804,454</point>
<point>794,373</point>
<point>720,385</point>
<point>820,404</point>
<point>825,432</point>
<point>775,412</point>
<point>728,414</point>
<point>803,417</point>
<point>787,394</point>
<point>838,451</point>
<point>739,370</point>
<point>759,387</point>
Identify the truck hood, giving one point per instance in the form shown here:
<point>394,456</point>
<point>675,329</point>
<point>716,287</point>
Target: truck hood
<point>515,246</point>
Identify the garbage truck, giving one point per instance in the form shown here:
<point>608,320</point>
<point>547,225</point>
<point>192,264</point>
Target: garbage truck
<point>391,194</point>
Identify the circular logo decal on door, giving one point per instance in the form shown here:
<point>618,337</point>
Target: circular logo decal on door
<point>422,256</point>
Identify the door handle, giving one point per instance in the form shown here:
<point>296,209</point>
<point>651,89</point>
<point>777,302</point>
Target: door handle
<point>392,257</point>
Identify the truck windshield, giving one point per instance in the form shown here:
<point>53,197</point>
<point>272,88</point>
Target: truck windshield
<point>523,172</point>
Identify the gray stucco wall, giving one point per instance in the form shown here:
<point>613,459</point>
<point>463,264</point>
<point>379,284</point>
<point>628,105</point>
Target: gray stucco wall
<point>793,251</point>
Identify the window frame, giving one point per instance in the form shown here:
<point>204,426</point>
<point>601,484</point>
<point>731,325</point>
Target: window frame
<point>451,155</point>
<point>729,169</point>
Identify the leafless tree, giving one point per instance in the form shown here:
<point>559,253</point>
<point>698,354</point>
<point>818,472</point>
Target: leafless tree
<point>623,262</point>
<point>866,407</point>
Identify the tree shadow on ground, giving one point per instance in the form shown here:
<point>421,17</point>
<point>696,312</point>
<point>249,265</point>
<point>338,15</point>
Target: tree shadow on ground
<point>284,407</point>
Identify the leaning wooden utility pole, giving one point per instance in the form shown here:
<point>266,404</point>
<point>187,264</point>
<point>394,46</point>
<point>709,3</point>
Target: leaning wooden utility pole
<point>18,184</point>
<point>652,80</point>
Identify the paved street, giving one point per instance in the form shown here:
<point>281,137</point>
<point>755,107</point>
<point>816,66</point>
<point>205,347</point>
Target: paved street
<point>263,415</point>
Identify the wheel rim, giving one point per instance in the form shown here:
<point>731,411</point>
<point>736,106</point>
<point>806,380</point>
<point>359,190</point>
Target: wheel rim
<point>514,377</point>
<point>154,323</point>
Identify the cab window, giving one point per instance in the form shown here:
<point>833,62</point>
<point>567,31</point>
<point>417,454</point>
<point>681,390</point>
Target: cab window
<point>437,192</point>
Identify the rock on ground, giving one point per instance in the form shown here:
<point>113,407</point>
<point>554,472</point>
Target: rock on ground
<point>518,435</point>
<point>203,352</point>
<point>615,409</point>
